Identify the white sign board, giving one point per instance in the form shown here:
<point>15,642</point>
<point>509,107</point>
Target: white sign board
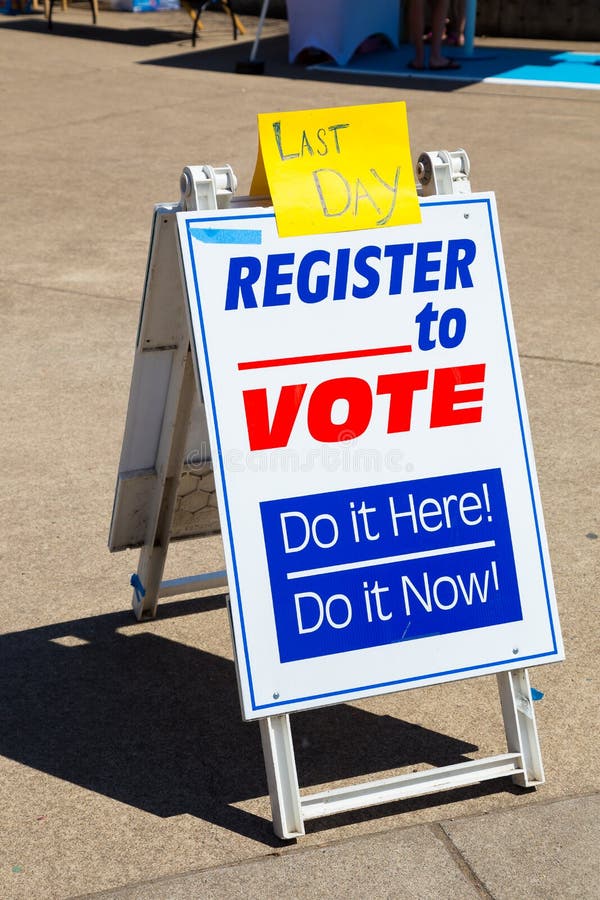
<point>377,490</point>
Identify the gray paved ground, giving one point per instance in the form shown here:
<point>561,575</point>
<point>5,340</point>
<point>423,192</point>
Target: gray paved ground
<point>124,766</point>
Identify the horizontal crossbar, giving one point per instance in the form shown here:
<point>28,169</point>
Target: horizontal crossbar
<point>192,583</point>
<point>429,781</point>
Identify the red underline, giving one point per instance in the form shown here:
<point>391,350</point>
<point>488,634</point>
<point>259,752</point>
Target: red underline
<point>322,357</point>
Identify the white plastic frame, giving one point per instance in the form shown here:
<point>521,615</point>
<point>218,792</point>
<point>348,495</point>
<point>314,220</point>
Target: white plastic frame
<point>291,809</point>
<point>164,368</point>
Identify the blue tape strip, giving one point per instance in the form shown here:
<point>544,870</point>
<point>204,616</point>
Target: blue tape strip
<point>138,587</point>
<point>227,235</point>
<point>536,695</point>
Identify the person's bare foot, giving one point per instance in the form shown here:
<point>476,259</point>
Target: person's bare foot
<point>440,63</point>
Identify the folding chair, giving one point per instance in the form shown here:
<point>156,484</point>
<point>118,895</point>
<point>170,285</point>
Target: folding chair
<point>49,5</point>
<point>196,7</point>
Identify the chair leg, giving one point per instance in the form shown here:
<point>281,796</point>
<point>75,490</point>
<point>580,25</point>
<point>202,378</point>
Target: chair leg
<point>197,23</point>
<point>94,5</point>
<point>235,19</point>
<point>226,5</point>
<point>189,10</point>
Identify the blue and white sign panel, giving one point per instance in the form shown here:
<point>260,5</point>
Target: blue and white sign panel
<point>377,490</point>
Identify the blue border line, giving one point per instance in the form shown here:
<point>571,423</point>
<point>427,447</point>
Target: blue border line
<point>189,223</point>
<point>381,684</point>
<point>522,429</point>
<point>418,678</point>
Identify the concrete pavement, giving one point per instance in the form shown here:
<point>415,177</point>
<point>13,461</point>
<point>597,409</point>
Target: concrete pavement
<point>124,765</point>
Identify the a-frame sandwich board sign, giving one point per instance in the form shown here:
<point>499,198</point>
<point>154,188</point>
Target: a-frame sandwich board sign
<point>371,468</point>
<point>165,487</point>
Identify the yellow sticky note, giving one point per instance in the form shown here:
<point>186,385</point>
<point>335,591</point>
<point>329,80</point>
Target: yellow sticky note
<point>338,169</point>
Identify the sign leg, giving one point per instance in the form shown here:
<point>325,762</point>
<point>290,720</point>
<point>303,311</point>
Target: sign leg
<point>172,450</point>
<point>520,726</point>
<point>282,777</point>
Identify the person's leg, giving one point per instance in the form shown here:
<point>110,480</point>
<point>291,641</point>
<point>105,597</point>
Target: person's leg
<point>438,23</point>
<point>416,25</point>
<point>456,34</point>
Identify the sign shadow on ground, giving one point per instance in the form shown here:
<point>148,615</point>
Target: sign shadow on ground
<point>155,724</point>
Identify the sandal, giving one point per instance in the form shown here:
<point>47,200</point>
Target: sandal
<point>447,64</point>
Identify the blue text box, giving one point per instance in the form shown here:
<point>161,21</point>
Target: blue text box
<point>389,563</point>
